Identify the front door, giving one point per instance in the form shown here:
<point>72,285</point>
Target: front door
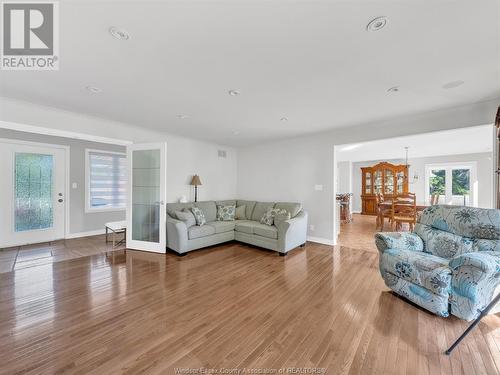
<point>32,193</point>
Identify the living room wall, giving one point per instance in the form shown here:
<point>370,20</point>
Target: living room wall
<point>185,156</point>
<point>290,169</point>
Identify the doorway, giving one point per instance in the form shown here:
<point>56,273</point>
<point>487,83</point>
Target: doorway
<point>33,192</point>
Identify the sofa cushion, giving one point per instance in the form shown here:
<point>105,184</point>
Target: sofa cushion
<point>245,226</point>
<point>199,216</point>
<point>268,217</point>
<point>203,231</point>
<point>264,230</point>
<point>222,226</point>
<point>293,208</point>
<point>240,213</point>
<point>260,209</point>
<point>209,209</point>
<point>186,216</point>
<point>443,244</point>
<point>281,215</point>
<point>423,269</point>
<point>478,223</point>
<point>229,202</point>
<point>226,213</point>
<point>250,205</point>
<point>172,207</point>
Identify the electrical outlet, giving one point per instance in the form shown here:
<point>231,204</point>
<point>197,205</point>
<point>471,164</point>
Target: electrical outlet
<point>318,187</point>
<point>74,185</point>
<point>311,228</point>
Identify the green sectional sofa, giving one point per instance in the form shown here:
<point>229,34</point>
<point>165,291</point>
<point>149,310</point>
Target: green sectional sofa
<point>286,235</point>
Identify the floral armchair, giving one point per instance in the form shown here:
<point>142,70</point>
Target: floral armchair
<point>449,264</point>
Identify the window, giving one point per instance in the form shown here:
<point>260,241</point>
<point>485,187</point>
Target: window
<point>106,179</point>
<point>452,183</point>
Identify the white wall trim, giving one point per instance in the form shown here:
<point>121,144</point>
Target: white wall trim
<point>85,234</point>
<point>62,133</point>
<point>324,241</point>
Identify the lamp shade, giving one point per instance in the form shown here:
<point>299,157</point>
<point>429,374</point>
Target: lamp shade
<point>195,181</point>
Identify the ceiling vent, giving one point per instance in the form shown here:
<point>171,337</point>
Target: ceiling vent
<point>222,153</point>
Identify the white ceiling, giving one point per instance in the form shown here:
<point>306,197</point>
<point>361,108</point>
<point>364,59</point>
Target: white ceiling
<point>451,142</point>
<point>310,61</point>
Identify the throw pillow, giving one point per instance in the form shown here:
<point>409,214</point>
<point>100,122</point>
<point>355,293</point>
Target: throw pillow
<point>187,217</point>
<point>199,216</point>
<point>240,213</point>
<point>268,217</point>
<point>281,215</point>
<point>225,213</point>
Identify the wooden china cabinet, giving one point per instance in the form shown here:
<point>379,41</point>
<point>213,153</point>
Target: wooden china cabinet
<point>383,178</point>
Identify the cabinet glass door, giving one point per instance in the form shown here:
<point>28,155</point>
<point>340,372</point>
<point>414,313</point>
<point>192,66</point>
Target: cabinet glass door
<point>368,183</point>
<point>377,182</point>
<point>389,182</point>
<point>146,212</point>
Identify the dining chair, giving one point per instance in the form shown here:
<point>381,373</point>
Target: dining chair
<point>382,212</point>
<point>404,210</point>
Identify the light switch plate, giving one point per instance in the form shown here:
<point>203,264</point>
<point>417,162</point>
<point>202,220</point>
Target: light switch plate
<point>318,187</point>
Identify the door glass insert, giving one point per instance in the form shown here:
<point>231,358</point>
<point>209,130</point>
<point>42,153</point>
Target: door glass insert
<point>33,191</point>
<point>460,186</point>
<point>146,195</point>
<point>437,184</point>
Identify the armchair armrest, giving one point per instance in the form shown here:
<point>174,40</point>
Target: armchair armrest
<point>176,234</point>
<point>474,279</point>
<point>398,240</point>
<point>292,232</point>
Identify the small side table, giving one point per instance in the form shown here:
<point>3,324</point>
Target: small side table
<point>116,227</point>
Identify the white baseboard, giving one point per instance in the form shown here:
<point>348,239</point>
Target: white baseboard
<point>356,212</point>
<point>324,241</point>
<point>85,234</point>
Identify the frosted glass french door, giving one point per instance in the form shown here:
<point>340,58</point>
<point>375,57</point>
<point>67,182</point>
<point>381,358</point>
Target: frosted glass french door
<point>32,193</point>
<point>146,197</point>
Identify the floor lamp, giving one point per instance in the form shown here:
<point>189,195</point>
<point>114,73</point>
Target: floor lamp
<point>195,181</point>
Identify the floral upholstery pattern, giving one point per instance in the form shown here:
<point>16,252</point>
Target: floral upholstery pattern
<point>450,263</point>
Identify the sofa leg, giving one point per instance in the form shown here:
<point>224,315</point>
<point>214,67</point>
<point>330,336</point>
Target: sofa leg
<point>181,254</point>
<point>282,254</point>
<point>303,245</point>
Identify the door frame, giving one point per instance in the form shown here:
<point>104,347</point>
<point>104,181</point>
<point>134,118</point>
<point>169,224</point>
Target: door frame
<point>67,161</point>
<point>160,247</point>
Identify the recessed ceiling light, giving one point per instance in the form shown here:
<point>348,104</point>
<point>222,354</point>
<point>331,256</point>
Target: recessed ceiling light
<point>233,92</point>
<point>182,117</point>
<point>393,89</point>
<point>236,132</point>
<point>452,85</point>
<point>119,33</point>
<point>284,119</point>
<point>93,89</point>
<point>376,24</point>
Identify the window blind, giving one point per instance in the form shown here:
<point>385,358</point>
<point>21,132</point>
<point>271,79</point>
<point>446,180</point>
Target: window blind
<point>107,180</point>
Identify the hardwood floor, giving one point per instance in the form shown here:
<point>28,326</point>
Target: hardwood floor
<point>359,233</point>
<point>231,306</point>
<point>19,257</point>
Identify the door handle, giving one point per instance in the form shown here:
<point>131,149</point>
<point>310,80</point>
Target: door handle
<point>60,200</point>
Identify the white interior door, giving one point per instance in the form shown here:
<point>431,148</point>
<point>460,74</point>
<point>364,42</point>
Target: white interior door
<point>32,193</point>
<point>146,197</point>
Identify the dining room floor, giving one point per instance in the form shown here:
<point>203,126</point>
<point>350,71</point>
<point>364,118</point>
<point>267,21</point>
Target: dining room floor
<point>20,257</point>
